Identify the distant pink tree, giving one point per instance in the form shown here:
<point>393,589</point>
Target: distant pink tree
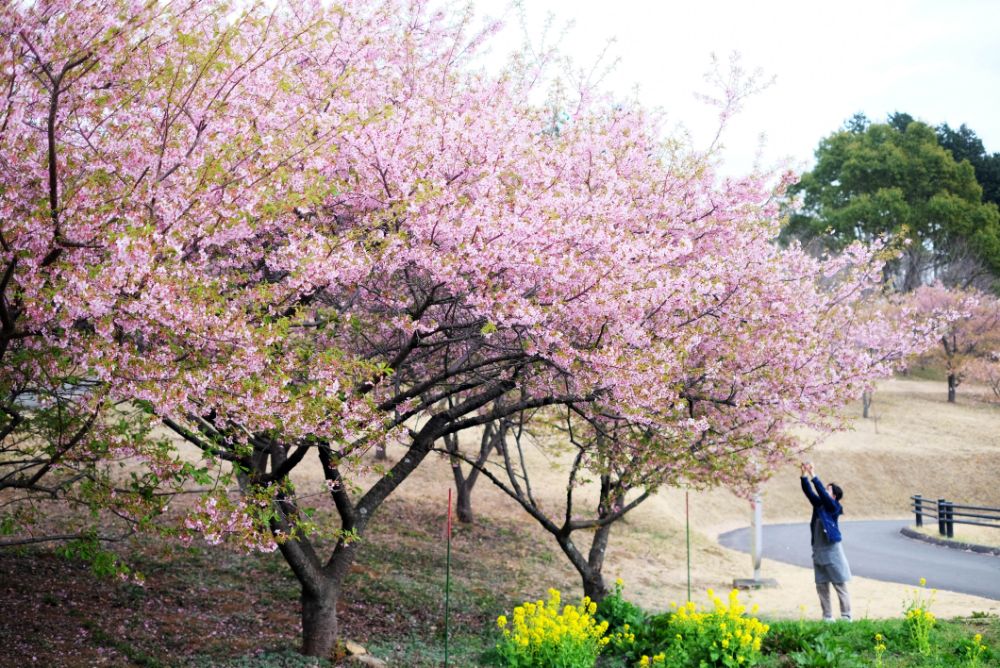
<point>292,234</point>
<point>986,370</point>
<point>971,339</point>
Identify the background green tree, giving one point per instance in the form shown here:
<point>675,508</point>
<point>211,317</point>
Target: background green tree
<point>895,179</point>
<point>964,144</point>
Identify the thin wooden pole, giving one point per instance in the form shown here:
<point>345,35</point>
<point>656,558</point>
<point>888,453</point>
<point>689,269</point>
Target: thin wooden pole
<point>687,531</point>
<point>447,582</point>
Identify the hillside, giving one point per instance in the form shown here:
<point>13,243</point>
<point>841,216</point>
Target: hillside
<point>916,443</point>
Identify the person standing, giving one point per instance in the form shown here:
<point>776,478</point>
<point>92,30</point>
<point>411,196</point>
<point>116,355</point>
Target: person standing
<point>829,562</point>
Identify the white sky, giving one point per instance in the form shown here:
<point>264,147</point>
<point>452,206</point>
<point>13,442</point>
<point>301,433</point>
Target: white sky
<point>938,60</point>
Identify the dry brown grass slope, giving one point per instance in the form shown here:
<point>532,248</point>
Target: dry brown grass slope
<point>916,443</point>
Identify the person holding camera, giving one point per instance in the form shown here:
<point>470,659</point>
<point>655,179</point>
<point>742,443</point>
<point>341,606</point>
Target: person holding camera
<point>829,561</point>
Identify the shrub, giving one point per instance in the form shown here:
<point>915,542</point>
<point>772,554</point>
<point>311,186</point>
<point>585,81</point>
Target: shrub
<point>785,636</point>
<point>540,635</point>
<point>625,621</point>
<point>618,612</point>
<point>824,652</point>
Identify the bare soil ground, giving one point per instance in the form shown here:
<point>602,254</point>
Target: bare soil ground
<point>204,606</point>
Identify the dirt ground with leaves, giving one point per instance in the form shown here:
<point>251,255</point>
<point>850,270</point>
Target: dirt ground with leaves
<point>203,606</point>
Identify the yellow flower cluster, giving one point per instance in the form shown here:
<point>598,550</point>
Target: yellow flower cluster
<point>919,620</point>
<point>974,652</point>
<point>879,649</point>
<point>725,631</point>
<point>623,637</point>
<point>920,616</point>
<point>542,628</point>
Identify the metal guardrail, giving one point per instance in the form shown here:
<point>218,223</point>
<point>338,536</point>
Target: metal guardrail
<point>948,514</point>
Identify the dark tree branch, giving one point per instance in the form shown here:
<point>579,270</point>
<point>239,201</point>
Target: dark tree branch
<point>194,439</point>
<point>517,407</point>
<point>281,471</point>
<point>55,458</point>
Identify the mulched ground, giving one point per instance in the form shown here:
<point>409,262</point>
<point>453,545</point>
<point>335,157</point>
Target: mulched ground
<point>208,605</point>
<point>57,613</point>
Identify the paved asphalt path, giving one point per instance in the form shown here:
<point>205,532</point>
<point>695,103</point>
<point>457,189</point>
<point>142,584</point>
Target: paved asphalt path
<point>876,549</point>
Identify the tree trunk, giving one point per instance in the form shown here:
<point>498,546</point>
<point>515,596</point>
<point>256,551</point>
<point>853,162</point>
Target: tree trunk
<point>591,575</point>
<point>593,579</point>
<point>319,603</point>
<point>464,484</point>
<point>319,622</point>
<point>463,490</point>
<point>866,404</point>
<point>952,385</point>
<point>463,502</point>
<point>914,262</point>
<point>321,585</point>
<point>594,586</point>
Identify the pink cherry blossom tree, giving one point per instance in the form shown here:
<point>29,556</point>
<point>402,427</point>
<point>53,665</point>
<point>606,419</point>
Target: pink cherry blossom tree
<point>986,370</point>
<point>968,345</point>
<point>65,214</point>
<point>291,234</point>
<point>791,341</point>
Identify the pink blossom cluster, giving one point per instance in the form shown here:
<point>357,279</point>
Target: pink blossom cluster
<point>219,521</point>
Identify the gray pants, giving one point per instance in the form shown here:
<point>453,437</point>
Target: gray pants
<point>842,596</point>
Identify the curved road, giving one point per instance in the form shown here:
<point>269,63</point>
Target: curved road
<point>876,549</point>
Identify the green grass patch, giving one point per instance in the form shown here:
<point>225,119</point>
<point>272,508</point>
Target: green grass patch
<point>811,644</point>
<point>935,373</point>
<point>416,651</point>
<point>277,659</point>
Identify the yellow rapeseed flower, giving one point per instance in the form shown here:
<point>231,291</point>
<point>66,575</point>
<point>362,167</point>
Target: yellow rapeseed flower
<point>548,624</point>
